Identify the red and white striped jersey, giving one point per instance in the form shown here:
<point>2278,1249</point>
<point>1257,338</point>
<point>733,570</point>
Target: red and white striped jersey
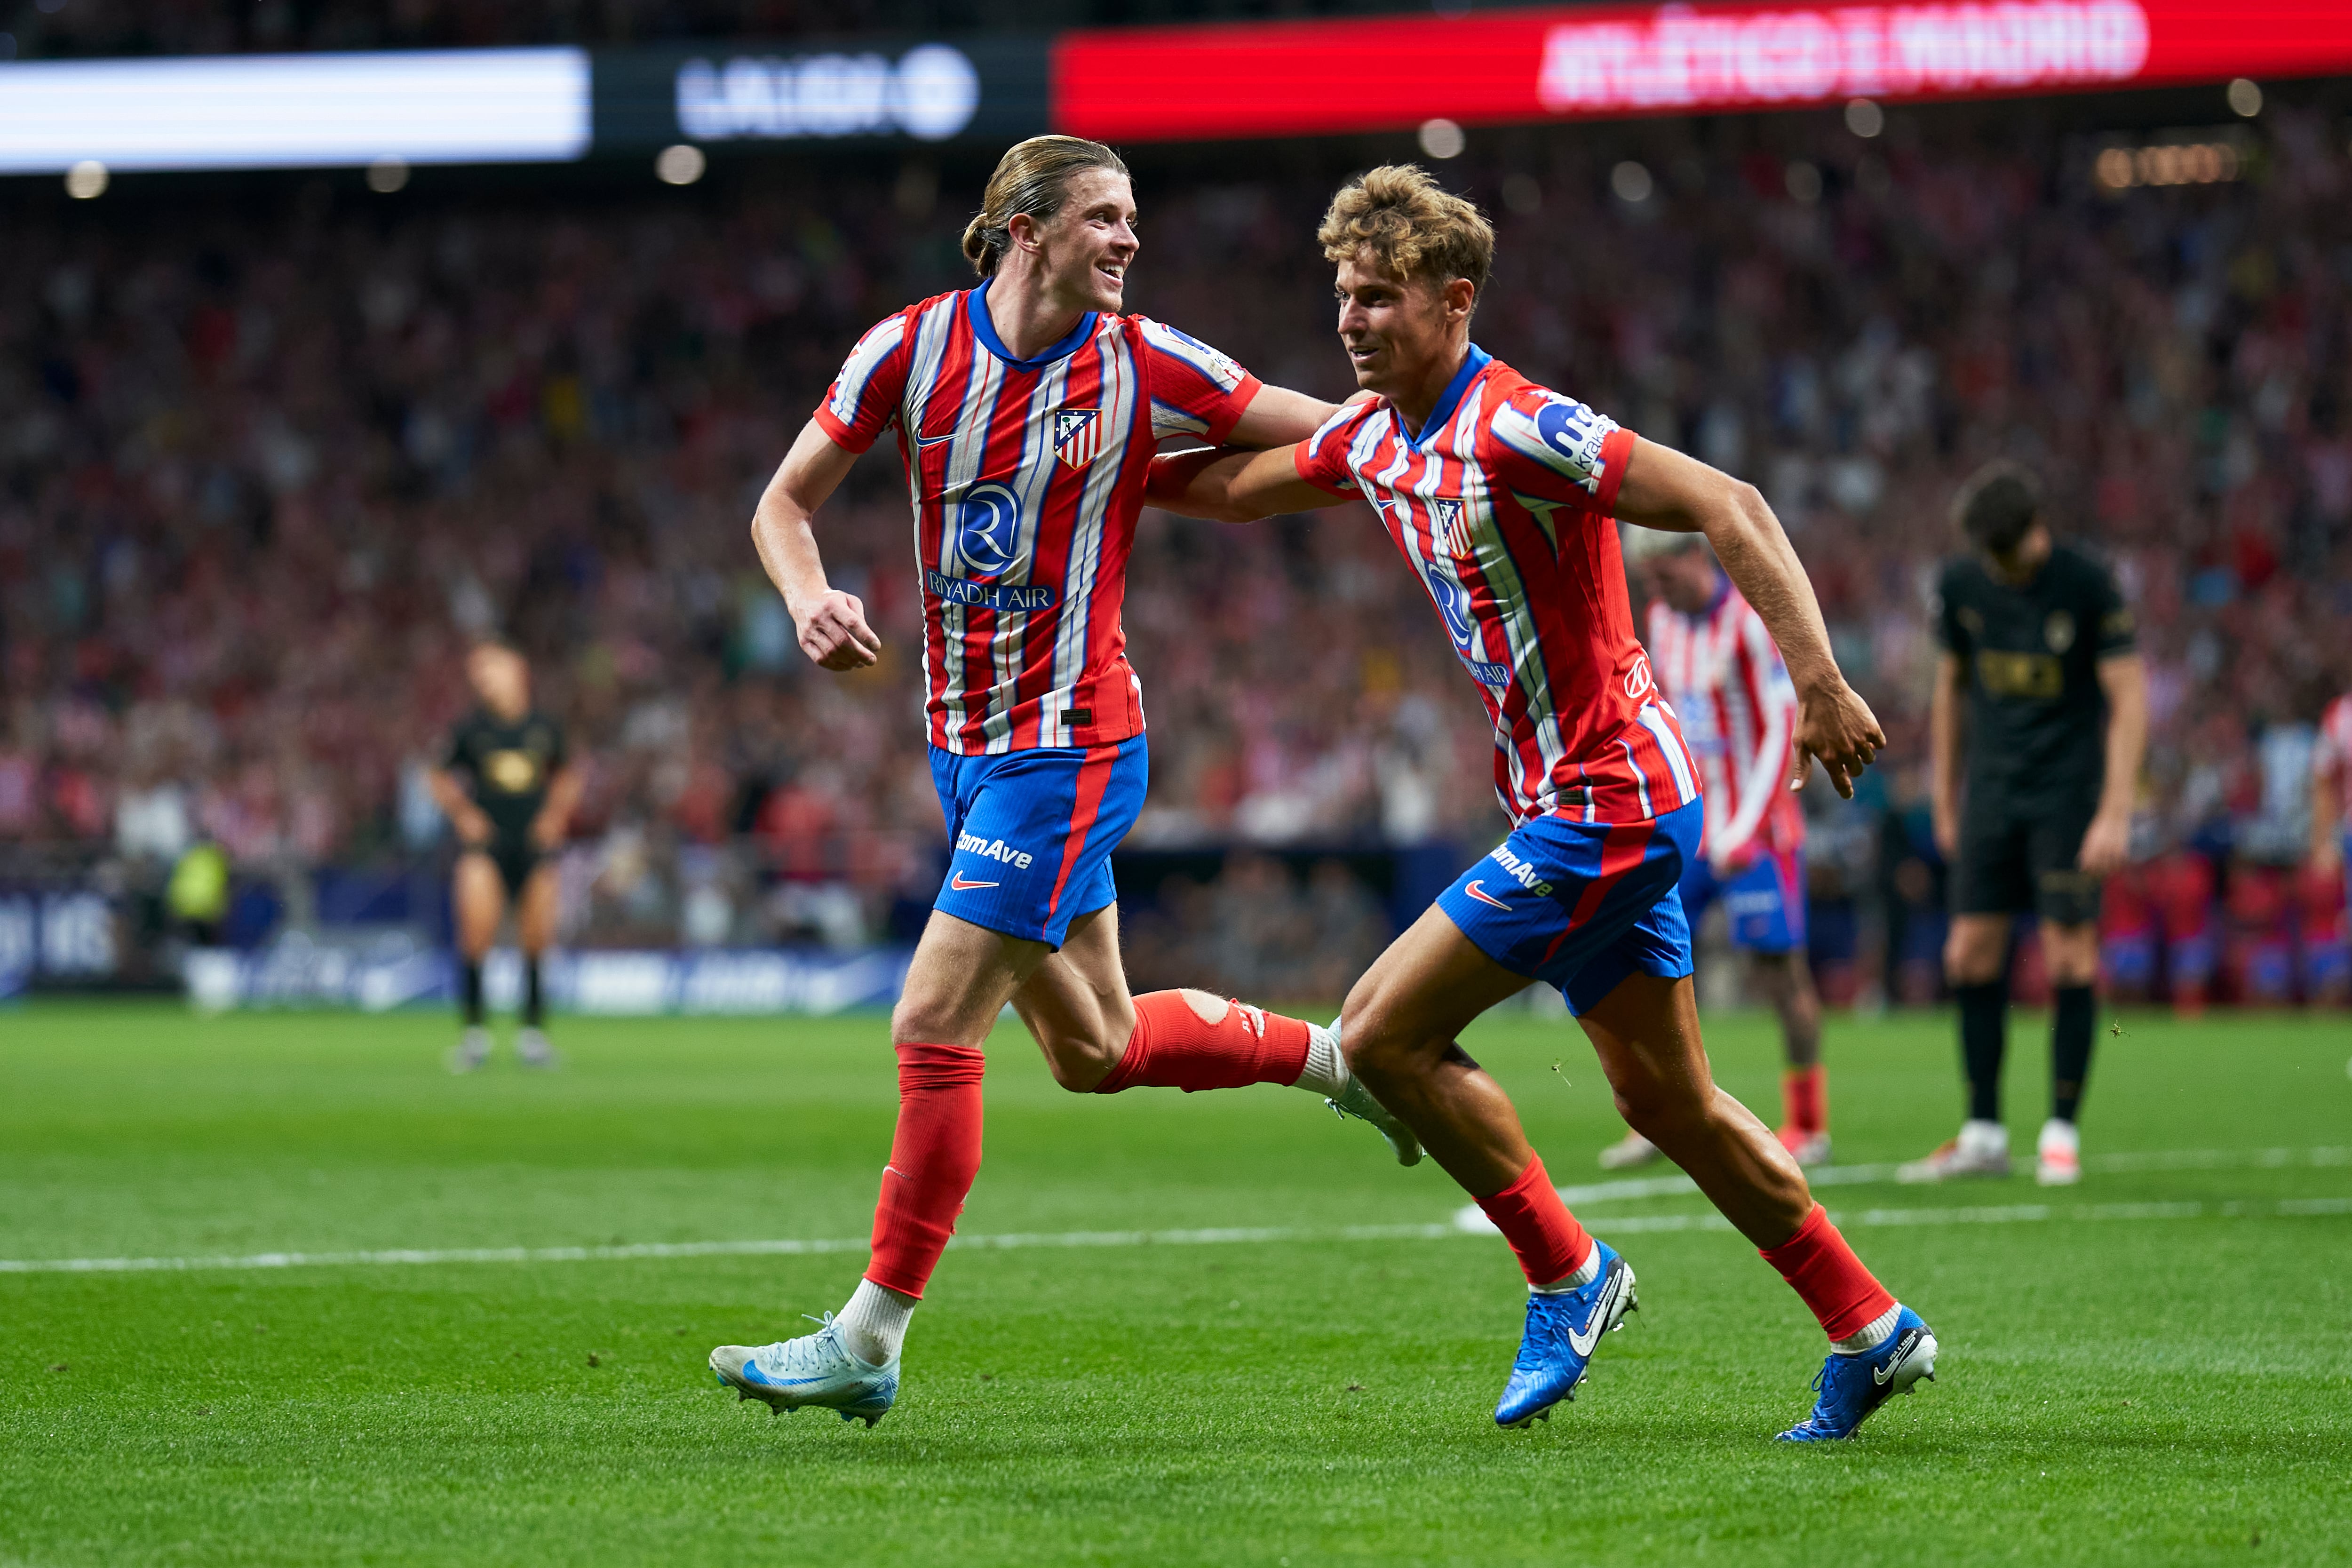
<point>1739,710</point>
<point>2332,757</point>
<point>1025,477</point>
<point>1500,504</point>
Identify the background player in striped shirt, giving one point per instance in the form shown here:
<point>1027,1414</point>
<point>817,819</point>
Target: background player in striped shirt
<point>1027,411</point>
<point>2327,934</point>
<point>1716,663</point>
<point>1499,493</point>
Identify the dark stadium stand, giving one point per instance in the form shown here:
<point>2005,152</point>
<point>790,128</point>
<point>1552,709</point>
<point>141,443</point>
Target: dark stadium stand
<point>272,451</point>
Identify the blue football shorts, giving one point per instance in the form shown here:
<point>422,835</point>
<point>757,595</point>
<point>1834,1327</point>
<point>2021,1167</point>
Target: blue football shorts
<point>1582,905</point>
<point>1032,832</point>
<point>1765,902</point>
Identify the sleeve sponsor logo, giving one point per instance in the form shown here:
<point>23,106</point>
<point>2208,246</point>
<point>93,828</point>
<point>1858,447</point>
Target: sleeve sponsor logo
<point>1572,434</point>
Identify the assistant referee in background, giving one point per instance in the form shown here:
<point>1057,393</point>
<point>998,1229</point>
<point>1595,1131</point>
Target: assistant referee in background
<point>2038,643</point>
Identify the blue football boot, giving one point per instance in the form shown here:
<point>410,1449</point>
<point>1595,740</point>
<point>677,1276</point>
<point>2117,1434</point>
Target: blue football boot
<point>1853,1386</point>
<point>814,1370</point>
<point>1562,1331</point>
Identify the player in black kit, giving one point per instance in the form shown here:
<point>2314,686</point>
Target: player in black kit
<point>508,792</point>
<point>2038,642</point>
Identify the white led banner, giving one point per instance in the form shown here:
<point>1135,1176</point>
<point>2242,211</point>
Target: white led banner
<point>296,111</point>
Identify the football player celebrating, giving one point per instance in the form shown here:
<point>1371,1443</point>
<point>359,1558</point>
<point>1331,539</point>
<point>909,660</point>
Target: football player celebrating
<point>1028,412</point>
<point>2037,643</point>
<point>507,790</point>
<point>1498,494</point>
<point>1717,665</point>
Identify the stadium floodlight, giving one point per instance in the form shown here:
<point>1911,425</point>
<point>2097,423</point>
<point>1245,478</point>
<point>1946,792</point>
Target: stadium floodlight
<point>296,111</point>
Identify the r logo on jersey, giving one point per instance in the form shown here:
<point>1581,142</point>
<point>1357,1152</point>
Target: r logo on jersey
<point>1077,435</point>
<point>988,533</point>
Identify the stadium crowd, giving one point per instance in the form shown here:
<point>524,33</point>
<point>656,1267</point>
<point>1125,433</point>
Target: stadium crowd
<point>267,465</point>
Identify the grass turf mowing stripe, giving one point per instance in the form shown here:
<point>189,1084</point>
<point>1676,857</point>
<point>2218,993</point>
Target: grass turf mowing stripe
<point>2009,1214</point>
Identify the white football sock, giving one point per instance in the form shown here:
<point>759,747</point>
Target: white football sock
<point>1585,1275</point>
<point>874,1324</point>
<point>1326,1072</point>
<point>1879,1330</point>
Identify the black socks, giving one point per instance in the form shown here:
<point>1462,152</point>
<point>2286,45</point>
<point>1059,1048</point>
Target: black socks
<point>531,1008</point>
<point>2071,1014</point>
<point>1984,1037</point>
<point>470,993</point>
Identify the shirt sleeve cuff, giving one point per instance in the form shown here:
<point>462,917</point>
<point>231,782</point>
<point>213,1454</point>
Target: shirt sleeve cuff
<point>1304,465</point>
<point>1235,406</point>
<point>845,436</point>
<point>1616,451</point>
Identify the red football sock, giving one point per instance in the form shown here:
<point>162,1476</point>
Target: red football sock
<point>1549,1243</point>
<point>1819,1267</point>
<point>934,1158</point>
<point>1175,1048</point>
<point>1805,1098</point>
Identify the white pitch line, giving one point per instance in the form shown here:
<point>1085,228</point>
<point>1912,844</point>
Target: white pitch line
<point>2014,1213</point>
<point>1631,1188</point>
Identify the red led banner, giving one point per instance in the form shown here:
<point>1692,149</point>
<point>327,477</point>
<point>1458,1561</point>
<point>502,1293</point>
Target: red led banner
<point>1290,78</point>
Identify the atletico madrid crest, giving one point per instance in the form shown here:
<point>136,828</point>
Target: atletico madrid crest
<point>1077,435</point>
<point>1453,527</point>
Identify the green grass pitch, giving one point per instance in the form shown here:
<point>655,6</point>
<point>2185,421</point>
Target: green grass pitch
<point>2154,1367</point>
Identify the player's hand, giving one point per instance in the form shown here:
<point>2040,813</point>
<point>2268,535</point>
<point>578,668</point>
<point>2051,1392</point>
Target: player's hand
<point>2106,845</point>
<point>1834,724</point>
<point>835,634</point>
<point>545,834</point>
<point>474,829</point>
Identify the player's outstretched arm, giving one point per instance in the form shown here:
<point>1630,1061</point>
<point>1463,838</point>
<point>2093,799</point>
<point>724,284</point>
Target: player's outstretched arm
<point>833,629</point>
<point>1226,486</point>
<point>1277,417</point>
<point>1667,489</point>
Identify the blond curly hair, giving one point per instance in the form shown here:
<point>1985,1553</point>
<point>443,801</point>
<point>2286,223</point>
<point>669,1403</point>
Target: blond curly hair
<point>1413,227</point>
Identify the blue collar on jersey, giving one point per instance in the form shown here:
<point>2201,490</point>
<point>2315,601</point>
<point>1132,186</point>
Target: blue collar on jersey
<point>1475,361</point>
<point>976,307</point>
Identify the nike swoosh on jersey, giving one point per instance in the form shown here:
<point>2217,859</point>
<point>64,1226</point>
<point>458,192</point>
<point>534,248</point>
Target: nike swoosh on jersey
<point>1483,896</point>
<point>961,886</point>
<point>1582,1340</point>
<point>933,440</point>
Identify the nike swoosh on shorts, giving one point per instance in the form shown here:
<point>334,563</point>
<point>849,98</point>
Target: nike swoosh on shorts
<point>961,886</point>
<point>1480,892</point>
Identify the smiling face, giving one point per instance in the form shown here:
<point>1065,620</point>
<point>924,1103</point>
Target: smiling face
<point>1401,332</point>
<point>1084,250</point>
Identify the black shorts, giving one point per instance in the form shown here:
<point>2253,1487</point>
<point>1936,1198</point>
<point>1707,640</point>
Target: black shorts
<point>2016,859</point>
<point>516,859</point>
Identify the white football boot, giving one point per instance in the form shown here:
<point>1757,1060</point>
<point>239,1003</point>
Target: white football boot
<point>1980,1150</point>
<point>2058,1154</point>
<point>1628,1151</point>
<point>813,1370</point>
<point>1358,1101</point>
<point>532,1050</point>
<point>472,1049</point>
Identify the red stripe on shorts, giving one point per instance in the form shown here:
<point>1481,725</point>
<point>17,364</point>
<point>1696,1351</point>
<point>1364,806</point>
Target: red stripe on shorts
<point>1094,778</point>
<point>1620,851</point>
